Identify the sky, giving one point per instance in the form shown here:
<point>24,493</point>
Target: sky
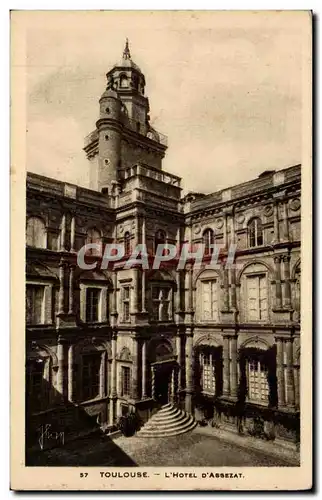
<point>226,89</point>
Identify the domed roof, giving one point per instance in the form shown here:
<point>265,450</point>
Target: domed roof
<point>109,93</point>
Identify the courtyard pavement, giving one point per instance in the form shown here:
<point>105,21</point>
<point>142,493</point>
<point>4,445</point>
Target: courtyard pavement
<point>191,449</point>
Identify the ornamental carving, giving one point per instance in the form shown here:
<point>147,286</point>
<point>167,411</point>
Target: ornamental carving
<point>240,218</point>
<point>268,211</point>
<point>197,229</point>
<point>219,223</point>
<point>121,229</point>
<point>295,204</point>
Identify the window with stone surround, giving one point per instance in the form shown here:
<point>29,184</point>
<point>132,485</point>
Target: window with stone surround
<point>208,378</point>
<point>256,300</point>
<point>210,300</point>
<point>159,239</point>
<point>127,243</point>
<point>126,295</point>
<point>94,236</point>
<point>125,381</point>
<point>161,303</point>
<point>36,233</point>
<point>255,232</point>
<point>91,373</point>
<point>93,296</point>
<point>257,381</point>
<point>35,304</point>
<point>208,239</point>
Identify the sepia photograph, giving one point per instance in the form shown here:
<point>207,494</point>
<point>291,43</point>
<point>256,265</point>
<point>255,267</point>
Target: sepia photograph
<point>165,168</point>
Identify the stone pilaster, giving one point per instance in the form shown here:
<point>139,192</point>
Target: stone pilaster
<point>278,285</point>
<point>225,290</point>
<point>287,283</point>
<point>63,234</point>
<point>61,375</point>
<point>102,384</point>
<point>61,299</point>
<point>189,372</point>
<point>179,356</point>
<point>226,367</point>
<point>276,223</point>
<point>290,387</point>
<point>286,235</point>
<point>233,367</point>
<point>71,373</point>
<point>233,297</point>
<point>72,234</point>
<point>178,291</point>
<point>135,368</point>
<point>71,289</point>
<point>144,370</point>
<point>153,369</point>
<point>280,372</point>
<point>114,301</point>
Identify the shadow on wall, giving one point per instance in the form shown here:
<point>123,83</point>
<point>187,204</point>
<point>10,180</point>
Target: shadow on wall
<point>67,436</point>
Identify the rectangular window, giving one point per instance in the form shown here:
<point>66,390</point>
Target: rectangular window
<point>161,303</point>
<point>258,389</point>
<point>35,295</point>
<point>125,381</point>
<point>210,303</point>
<point>92,304</point>
<point>208,378</point>
<point>256,301</point>
<point>91,368</point>
<point>126,303</point>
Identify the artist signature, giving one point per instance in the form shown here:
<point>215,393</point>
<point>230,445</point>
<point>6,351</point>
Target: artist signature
<point>47,434</point>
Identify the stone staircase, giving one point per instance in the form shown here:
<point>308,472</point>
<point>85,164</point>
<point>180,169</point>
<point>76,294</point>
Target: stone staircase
<point>168,421</point>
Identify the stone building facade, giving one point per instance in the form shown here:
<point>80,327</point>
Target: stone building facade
<point>222,343</point>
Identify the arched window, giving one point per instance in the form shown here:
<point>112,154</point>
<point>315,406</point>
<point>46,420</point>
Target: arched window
<point>124,82</point>
<point>208,239</point>
<point>94,236</point>
<point>159,239</point>
<point>36,233</point>
<point>127,243</point>
<point>255,233</point>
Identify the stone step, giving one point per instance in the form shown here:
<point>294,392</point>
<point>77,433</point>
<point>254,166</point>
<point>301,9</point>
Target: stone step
<point>168,425</point>
<point>164,417</point>
<point>168,421</point>
<point>175,432</point>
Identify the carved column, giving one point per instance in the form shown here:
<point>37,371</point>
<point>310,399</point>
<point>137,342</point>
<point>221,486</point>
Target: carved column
<point>143,291</point>
<point>178,292</point>
<point>144,368</point>
<point>113,394</point>
<point>179,360</point>
<point>63,234</point>
<point>61,297</point>
<point>278,285</point>
<point>189,372</point>
<point>71,374</point>
<point>136,272</point>
<point>114,300</point>
<point>286,235</point>
<point>71,289</point>
<point>233,367</point>
<point>280,372</point>
<point>135,367</point>
<point>190,296</point>
<point>102,384</point>
<point>72,234</point>
<point>276,224</point>
<point>287,283</point>
<point>232,272</point>
<point>290,373</point>
<point>153,368</point>
<point>225,290</point>
<point>61,376</point>
<point>226,367</point>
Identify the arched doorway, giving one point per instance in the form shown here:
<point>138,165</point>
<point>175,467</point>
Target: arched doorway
<point>164,372</point>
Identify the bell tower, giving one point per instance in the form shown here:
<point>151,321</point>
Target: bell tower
<point>123,134</point>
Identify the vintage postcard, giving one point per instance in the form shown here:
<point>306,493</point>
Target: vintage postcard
<point>161,171</point>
